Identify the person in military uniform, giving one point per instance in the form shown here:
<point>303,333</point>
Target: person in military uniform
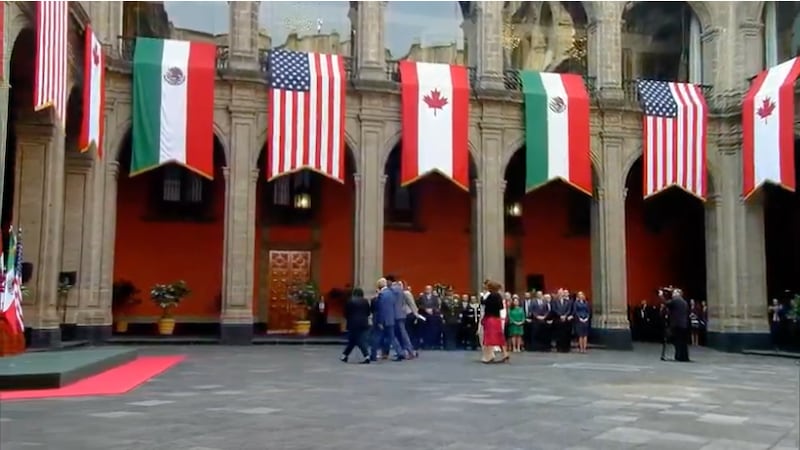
<point>470,318</point>
<point>451,314</point>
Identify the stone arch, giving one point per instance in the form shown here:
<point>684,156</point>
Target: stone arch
<point>519,143</point>
<point>349,142</point>
<point>701,9</point>
<point>711,169</point>
<point>390,143</point>
<point>115,148</point>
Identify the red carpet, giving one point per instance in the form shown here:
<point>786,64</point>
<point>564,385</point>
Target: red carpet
<point>118,380</point>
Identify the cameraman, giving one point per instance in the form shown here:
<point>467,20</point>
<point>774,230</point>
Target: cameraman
<point>678,321</point>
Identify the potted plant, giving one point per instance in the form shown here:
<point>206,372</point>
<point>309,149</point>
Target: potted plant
<point>123,296</point>
<point>167,297</point>
<point>306,295</point>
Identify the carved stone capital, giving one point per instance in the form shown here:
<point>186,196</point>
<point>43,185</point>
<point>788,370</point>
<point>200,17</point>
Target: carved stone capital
<point>226,171</point>
<point>112,169</point>
<point>384,179</point>
<point>254,174</point>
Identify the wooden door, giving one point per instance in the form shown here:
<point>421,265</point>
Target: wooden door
<point>286,268</point>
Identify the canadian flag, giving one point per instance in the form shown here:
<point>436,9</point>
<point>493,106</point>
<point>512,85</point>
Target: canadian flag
<point>94,95</point>
<point>768,128</point>
<point>435,111</point>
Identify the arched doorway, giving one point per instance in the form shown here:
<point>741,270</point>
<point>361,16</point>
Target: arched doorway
<point>665,245</point>
<point>304,233</point>
<point>782,239</point>
<point>428,229</point>
<point>547,234</point>
<point>170,227</point>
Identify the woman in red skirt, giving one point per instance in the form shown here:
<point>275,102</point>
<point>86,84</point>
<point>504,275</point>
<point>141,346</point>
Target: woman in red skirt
<point>493,335</point>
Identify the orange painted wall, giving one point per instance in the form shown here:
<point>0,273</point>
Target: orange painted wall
<point>149,252</point>
<point>441,252</point>
<point>546,246</point>
<point>335,222</point>
<point>674,255</point>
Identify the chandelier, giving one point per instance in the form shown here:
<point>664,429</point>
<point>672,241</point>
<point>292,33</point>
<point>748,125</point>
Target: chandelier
<point>511,39</point>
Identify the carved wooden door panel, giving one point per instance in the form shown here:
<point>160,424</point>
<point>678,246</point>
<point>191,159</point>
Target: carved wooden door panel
<point>286,268</point>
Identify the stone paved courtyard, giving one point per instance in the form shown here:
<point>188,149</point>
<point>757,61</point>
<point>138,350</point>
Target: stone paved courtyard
<point>295,397</point>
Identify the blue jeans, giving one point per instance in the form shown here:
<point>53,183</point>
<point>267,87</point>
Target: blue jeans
<point>381,333</point>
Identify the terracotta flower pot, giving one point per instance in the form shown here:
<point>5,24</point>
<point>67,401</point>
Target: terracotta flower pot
<point>121,326</point>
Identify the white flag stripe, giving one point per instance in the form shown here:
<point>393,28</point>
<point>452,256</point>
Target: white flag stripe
<point>433,139</point>
<point>338,125</point>
<point>557,128</point>
<point>767,164</point>
<point>174,98</point>
<point>51,57</point>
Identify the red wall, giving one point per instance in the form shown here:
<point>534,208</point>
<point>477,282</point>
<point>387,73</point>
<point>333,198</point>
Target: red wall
<point>673,255</point>
<point>335,221</point>
<point>547,248</point>
<point>441,251</point>
<point>148,252</point>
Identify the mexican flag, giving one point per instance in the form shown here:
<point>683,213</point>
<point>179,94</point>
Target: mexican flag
<point>94,94</point>
<point>435,121</point>
<point>556,130</point>
<point>11,297</point>
<point>768,128</point>
<point>173,105</point>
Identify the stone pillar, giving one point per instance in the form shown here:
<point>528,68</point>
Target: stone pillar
<point>605,48</point>
<point>369,40</point>
<point>82,244</point>
<point>39,212</point>
<point>490,45</point>
<point>4,107</point>
<point>609,285</point>
<point>489,187</point>
<point>241,176</point>
<point>243,36</point>
<point>370,185</point>
<point>738,312</point>
<point>110,180</point>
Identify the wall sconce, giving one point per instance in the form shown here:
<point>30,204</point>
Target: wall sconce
<point>514,209</point>
<point>302,201</point>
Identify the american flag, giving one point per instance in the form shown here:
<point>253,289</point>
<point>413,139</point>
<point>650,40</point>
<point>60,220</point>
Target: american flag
<point>306,107</point>
<point>674,137</point>
<point>50,85</point>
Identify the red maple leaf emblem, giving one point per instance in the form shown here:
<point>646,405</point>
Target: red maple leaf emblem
<point>766,108</point>
<point>95,55</point>
<point>435,101</point>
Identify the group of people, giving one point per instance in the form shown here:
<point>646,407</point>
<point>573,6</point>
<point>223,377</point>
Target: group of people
<point>397,322</point>
<point>649,322</point>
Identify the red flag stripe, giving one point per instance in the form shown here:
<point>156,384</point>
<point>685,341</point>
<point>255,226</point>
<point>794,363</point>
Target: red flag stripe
<point>50,84</point>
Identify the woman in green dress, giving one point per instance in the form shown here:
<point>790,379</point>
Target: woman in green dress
<point>516,323</point>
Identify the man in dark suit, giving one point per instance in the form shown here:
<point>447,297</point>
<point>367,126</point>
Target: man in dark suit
<point>678,322</point>
<point>384,322</point>
<point>356,312</point>
<point>537,314</point>
<point>431,307</point>
<point>561,308</point>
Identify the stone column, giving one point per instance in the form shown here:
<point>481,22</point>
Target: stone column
<point>4,107</point>
<point>370,185</point>
<point>110,180</point>
<point>490,45</point>
<point>39,212</point>
<point>605,48</point>
<point>81,251</point>
<point>609,284</point>
<point>241,177</point>
<point>489,188</point>
<point>243,35</point>
<point>369,40</point>
<point>738,312</point>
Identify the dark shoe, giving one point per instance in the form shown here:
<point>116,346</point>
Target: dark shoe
<point>343,358</point>
<point>506,359</point>
<point>365,361</point>
<point>398,358</point>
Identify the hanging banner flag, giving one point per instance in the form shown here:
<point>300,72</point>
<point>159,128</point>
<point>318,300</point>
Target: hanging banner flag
<point>94,95</point>
<point>556,130</point>
<point>674,137</point>
<point>435,121</point>
<point>768,129</point>
<point>173,105</point>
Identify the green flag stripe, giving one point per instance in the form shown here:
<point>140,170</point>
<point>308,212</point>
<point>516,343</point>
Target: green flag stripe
<point>147,75</point>
<point>536,139</point>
